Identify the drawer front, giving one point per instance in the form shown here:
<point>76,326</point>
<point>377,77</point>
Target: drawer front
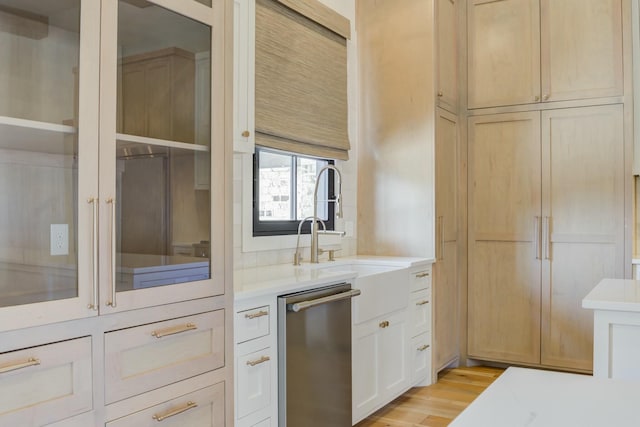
<point>264,423</point>
<point>202,408</point>
<point>250,324</point>
<point>421,359</point>
<point>421,306</point>
<point>253,382</point>
<point>45,384</point>
<point>150,356</point>
<point>421,279</point>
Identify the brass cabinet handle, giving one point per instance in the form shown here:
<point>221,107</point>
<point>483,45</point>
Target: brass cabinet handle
<point>111,201</point>
<point>261,313</point>
<point>536,98</point>
<point>423,347</point>
<point>546,97</point>
<point>32,361</point>
<point>246,134</point>
<point>440,94</point>
<point>94,256</point>
<point>259,361</point>
<point>422,302</point>
<point>174,330</point>
<point>384,324</point>
<point>173,412</point>
<point>421,275</point>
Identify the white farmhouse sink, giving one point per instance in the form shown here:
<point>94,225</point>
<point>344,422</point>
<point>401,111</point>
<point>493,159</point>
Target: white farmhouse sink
<point>385,288</point>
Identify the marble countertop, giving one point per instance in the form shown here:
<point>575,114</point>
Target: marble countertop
<point>536,398</point>
<point>284,278</point>
<point>614,294</point>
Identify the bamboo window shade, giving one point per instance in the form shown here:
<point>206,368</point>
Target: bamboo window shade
<point>300,84</point>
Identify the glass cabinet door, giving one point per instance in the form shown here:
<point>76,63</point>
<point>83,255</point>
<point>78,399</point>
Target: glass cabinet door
<point>160,235</point>
<point>41,148</point>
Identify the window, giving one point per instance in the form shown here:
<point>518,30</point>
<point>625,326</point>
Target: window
<point>283,186</point>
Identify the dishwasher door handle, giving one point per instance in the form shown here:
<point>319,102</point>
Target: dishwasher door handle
<point>303,305</point>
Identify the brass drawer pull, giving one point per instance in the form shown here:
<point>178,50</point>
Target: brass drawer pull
<point>174,412</point>
<point>174,330</point>
<point>421,275</point>
<point>259,361</point>
<point>384,324</point>
<point>423,347</point>
<point>261,313</point>
<point>423,302</point>
<point>32,361</point>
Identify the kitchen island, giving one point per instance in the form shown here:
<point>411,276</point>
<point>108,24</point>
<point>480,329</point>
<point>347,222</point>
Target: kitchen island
<point>535,398</point>
<point>616,328</point>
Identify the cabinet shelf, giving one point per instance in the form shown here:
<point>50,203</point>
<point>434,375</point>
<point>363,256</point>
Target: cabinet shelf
<point>36,136</point>
<point>135,141</point>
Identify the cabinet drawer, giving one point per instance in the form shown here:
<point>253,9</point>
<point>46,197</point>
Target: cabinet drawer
<point>421,357</point>
<point>150,356</point>
<point>45,384</point>
<point>421,279</point>
<point>250,324</point>
<point>421,309</point>
<point>254,382</point>
<point>202,408</point>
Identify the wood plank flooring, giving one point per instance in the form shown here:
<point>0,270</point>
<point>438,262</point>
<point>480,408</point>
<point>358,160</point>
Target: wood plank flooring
<point>438,404</point>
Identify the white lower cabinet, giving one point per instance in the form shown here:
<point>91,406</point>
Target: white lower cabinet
<point>254,381</point>
<point>147,357</point>
<point>380,362</point>
<point>256,363</point>
<point>421,309</point>
<point>45,384</point>
<point>202,408</point>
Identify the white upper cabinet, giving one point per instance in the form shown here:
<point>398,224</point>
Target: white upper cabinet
<point>97,156</point>
<point>244,18</point>
<point>46,221</point>
<point>528,51</point>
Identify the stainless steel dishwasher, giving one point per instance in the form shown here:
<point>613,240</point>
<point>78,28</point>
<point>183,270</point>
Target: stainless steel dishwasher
<point>314,357</point>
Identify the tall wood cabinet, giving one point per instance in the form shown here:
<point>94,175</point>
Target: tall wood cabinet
<point>530,51</point>
<point>95,330</point>
<point>408,163</point>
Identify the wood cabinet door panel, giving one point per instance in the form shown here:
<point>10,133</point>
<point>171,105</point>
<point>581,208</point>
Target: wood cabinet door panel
<point>446,177</point>
<point>581,49</point>
<point>504,269</point>
<point>583,187</point>
<point>447,327</point>
<point>447,45</point>
<point>503,52</point>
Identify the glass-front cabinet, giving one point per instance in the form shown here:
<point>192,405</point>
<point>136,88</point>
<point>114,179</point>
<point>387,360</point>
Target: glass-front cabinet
<point>110,146</point>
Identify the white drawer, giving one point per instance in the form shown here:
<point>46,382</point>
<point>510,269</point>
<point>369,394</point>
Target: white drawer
<point>202,408</point>
<point>421,308</point>
<point>253,382</point>
<point>264,423</point>
<point>150,356</point>
<point>421,279</point>
<point>45,384</point>
<point>421,357</point>
<point>250,324</point>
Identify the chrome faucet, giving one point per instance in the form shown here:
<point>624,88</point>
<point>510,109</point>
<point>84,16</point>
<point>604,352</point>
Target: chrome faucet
<point>297,257</point>
<point>314,223</point>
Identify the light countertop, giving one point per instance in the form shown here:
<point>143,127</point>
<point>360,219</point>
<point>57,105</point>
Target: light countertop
<point>284,278</point>
<point>614,294</point>
<point>536,398</point>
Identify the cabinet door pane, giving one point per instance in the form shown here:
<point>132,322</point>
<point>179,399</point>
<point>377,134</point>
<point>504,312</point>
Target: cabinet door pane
<point>504,52</point>
<point>39,54</point>
<point>163,119</point>
<point>504,269</point>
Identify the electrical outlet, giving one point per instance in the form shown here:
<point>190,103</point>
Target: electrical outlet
<point>59,239</point>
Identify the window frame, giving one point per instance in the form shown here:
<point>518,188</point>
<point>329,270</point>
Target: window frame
<point>289,227</point>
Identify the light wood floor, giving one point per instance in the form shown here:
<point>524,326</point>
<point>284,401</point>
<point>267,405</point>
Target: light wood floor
<point>438,404</point>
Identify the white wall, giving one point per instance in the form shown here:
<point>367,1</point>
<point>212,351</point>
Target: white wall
<point>254,252</point>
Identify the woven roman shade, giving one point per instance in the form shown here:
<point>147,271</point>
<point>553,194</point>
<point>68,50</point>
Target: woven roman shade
<point>300,84</point>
